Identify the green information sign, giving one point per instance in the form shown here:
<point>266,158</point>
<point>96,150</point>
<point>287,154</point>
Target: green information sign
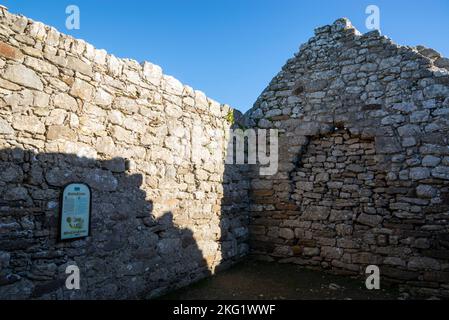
<point>74,218</point>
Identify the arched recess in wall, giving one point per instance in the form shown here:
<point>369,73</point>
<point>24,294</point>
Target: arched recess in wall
<point>337,178</point>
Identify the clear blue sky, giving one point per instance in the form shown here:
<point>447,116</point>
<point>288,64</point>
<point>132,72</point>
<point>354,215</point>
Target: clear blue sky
<point>231,49</point>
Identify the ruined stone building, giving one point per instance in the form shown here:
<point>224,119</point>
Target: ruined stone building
<point>364,159</point>
<point>363,166</point>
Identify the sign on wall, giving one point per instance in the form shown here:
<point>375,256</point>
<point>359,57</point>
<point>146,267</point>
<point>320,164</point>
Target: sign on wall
<point>74,217</point>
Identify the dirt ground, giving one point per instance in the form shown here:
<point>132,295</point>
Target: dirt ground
<point>256,280</point>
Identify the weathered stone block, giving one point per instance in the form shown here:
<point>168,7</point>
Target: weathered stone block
<point>24,76</point>
<point>365,258</point>
<point>10,52</point>
<point>101,180</point>
<point>426,191</point>
<point>41,66</point>
<point>419,173</point>
<point>310,252</point>
<point>60,132</point>
<point>30,124</point>
<point>441,172</point>
<point>11,173</point>
<point>430,161</point>
<point>340,215</point>
<point>387,145</point>
<point>5,127</point>
<point>369,220</point>
<point>64,101</point>
<point>316,213</point>
<point>286,233</point>
<point>330,253</point>
<point>436,91</point>
<point>82,89</point>
<point>79,66</point>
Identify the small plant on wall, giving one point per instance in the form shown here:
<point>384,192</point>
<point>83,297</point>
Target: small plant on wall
<point>230,117</point>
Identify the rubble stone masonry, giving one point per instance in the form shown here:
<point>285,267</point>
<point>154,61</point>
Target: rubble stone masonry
<point>364,160</point>
<point>163,213</point>
<point>363,166</point>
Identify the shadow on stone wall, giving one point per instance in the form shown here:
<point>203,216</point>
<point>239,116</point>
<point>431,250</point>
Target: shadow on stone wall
<point>130,253</point>
<point>234,205</point>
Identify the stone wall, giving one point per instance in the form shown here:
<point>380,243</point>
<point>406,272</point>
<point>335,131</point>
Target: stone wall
<point>166,210</point>
<point>364,160</point>
<point>363,166</point>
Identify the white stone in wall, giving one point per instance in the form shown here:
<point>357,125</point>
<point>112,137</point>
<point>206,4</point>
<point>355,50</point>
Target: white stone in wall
<point>5,127</point>
<point>37,30</point>
<point>215,108</point>
<point>53,37</point>
<point>82,89</point>
<point>64,101</point>
<point>100,56</point>
<point>172,85</point>
<point>23,76</point>
<point>103,98</point>
<point>152,73</point>
<point>56,117</point>
<point>114,65</point>
<point>41,66</point>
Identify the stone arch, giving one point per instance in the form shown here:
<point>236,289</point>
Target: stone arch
<point>334,168</point>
